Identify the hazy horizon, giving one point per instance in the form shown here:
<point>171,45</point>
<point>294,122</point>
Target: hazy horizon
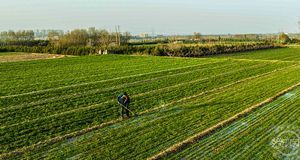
<point>140,16</point>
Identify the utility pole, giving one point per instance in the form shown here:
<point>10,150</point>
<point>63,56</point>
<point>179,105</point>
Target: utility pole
<point>153,32</point>
<point>278,36</point>
<point>119,35</point>
<point>116,35</point>
<point>281,36</point>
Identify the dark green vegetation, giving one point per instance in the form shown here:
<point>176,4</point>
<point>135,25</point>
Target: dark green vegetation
<point>161,50</point>
<point>44,99</point>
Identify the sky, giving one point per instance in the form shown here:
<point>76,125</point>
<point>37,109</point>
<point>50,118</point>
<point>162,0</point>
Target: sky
<point>168,17</point>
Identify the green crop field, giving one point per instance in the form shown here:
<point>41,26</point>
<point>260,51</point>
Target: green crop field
<point>66,108</point>
<point>10,53</point>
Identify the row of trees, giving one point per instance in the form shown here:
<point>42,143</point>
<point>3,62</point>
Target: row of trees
<point>22,35</point>
<point>77,37</point>
<point>90,37</point>
<point>162,50</point>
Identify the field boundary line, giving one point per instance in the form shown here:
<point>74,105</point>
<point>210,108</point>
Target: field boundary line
<point>75,85</point>
<point>292,57</point>
<point>264,55</point>
<point>141,94</point>
<point>94,75</point>
<point>72,69</point>
<point>104,89</point>
<point>220,125</point>
<point>89,129</point>
<point>66,69</point>
<point>262,60</point>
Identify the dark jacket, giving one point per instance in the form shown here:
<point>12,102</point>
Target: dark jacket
<point>123,99</point>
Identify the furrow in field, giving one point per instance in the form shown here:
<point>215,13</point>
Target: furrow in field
<point>262,131</point>
<point>256,55</point>
<point>291,57</point>
<point>47,109</point>
<point>53,71</point>
<point>89,76</point>
<point>104,124</point>
<point>209,145</point>
<point>154,144</point>
<point>68,74</point>
<point>278,57</point>
<point>46,90</point>
<point>262,60</point>
<point>104,89</point>
<point>213,129</point>
<point>60,63</point>
<point>117,78</point>
<point>153,91</point>
<point>271,56</point>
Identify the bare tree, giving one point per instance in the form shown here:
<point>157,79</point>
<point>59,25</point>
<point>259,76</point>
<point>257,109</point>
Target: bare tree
<point>93,36</point>
<point>106,38</point>
<point>125,37</point>
<point>197,36</point>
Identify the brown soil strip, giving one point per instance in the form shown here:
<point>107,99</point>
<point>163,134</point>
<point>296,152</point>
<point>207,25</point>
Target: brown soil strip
<point>29,56</point>
<point>181,145</point>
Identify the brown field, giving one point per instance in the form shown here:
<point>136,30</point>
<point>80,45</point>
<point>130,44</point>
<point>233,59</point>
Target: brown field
<point>29,56</point>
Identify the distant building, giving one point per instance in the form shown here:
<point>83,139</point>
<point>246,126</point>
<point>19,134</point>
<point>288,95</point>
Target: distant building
<point>144,35</point>
<point>159,36</point>
<point>43,33</point>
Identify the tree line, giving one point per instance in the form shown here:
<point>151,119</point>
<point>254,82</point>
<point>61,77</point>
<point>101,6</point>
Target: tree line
<point>161,50</point>
<point>10,37</point>
<point>78,37</point>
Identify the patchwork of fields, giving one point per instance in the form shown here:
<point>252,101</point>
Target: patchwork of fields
<point>66,108</point>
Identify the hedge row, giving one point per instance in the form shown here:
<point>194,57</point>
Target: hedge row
<point>162,50</point>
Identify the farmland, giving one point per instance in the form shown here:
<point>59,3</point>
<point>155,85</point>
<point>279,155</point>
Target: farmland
<point>66,107</point>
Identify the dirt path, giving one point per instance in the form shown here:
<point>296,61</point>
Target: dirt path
<point>29,56</point>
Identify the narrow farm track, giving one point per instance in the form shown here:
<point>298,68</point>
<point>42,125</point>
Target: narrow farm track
<point>93,128</point>
<point>142,94</point>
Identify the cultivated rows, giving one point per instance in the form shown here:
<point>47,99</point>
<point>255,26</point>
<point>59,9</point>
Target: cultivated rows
<point>160,130</point>
<point>177,98</point>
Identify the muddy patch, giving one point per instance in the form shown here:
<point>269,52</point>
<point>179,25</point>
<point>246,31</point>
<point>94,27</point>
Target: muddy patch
<point>29,56</point>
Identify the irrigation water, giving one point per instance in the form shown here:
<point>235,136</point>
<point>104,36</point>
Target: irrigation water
<point>209,145</point>
<point>133,122</point>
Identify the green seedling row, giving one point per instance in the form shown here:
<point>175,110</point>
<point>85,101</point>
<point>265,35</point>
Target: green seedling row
<point>164,128</point>
<point>44,129</point>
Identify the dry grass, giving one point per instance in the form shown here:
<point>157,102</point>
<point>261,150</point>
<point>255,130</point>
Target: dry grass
<point>29,56</point>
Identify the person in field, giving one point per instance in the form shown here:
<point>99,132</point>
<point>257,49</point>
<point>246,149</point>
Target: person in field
<point>124,100</point>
